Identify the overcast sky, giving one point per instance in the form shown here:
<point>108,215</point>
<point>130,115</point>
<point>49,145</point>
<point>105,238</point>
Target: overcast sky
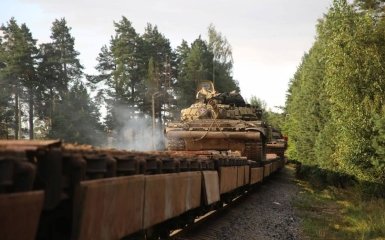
<point>268,37</point>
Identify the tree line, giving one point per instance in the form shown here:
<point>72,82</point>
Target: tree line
<point>45,93</point>
<point>335,111</point>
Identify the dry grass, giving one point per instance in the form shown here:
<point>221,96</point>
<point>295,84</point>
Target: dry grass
<point>334,213</point>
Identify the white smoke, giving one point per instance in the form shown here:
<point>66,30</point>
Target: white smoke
<point>136,132</point>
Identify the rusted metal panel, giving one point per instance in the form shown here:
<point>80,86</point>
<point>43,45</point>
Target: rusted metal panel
<point>155,199</point>
<point>194,186</point>
<point>275,166</point>
<point>247,174</point>
<point>210,144</point>
<point>169,195</point>
<point>254,136</point>
<point>267,170</point>
<point>211,187</point>
<point>28,144</point>
<point>256,175</point>
<point>240,176</point>
<point>108,208</point>
<point>19,214</point>
<point>49,173</point>
<point>227,179</point>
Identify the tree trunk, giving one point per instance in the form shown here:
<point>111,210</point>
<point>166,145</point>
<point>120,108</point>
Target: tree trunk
<point>6,129</point>
<point>51,108</point>
<point>31,126</point>
<point>17,123</point>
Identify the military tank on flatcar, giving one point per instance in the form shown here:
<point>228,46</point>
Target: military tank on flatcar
<point>277,143</point>
<point>219,121</point>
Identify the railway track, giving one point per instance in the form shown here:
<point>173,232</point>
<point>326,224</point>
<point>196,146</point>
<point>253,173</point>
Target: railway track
<point>266,213</point>
<point>212,219</point>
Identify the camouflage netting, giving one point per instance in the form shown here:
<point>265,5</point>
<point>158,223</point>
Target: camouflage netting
<point>206,111</point>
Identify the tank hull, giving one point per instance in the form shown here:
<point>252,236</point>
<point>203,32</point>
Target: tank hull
<point>228,135</point>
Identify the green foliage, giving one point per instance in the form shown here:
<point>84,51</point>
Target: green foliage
<point>274,119</point>
<point>260,104</point>
<point>18,75</point>
<point>204,60</point>
<point>335,99</point>
<point>65,57</point>
<point>76,119</point>
<point>333,213</point>
<point>46,83</point>
<point>160,61</point>
<point>222,61</point>
<point>197,67</point>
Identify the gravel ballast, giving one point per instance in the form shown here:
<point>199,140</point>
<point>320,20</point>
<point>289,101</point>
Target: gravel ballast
<point>266,214</point>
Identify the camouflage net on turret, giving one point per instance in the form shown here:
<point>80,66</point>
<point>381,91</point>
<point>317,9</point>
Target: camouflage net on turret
<point>206,111</point>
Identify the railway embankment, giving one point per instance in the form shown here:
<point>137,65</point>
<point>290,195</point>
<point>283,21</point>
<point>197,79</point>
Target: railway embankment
<point>266,214</point>
<point>284,207</point>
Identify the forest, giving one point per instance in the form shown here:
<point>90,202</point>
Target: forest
<point>335,112</point>
<point>334,115</point>
<point>45,93</point>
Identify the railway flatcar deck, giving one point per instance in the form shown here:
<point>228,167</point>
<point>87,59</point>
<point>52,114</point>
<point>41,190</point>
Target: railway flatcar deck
<point>51,190</point>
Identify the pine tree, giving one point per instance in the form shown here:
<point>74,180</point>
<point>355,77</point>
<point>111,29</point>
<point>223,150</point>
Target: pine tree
<point>30,75</point>
<point>203,60</point>
<point>222,61</point>
<point>59,68</point>
<point>122,72</point>
<point>184,86</point>
<point>160,60</point>
<point>195,65</point>
<point>66,57</point>
<point>18,73</point>
<point>77,118</point>
<point>5,96</point>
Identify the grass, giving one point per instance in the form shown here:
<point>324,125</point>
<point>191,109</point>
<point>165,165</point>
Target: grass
<point>335,213</point>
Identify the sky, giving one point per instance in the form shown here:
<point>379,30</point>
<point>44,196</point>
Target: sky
<point>268,37</point>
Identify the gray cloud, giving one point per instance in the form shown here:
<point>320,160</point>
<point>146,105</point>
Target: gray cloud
<point>273,33</point>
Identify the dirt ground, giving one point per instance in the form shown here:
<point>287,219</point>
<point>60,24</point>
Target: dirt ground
<point>266,214</point>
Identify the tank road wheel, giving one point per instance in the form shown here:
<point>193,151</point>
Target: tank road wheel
<point>253,151</point>
<point>175,144</point>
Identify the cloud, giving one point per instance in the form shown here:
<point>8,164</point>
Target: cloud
<point>273,33</point>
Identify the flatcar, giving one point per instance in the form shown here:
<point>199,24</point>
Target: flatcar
<point>51,190</point>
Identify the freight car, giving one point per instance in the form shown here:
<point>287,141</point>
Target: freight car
<point>51,190</point>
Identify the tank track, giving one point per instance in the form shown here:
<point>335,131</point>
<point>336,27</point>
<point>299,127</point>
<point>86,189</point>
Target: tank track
<point>175,144</point>
<point>253,151</point>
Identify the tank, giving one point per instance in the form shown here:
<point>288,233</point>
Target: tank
<point>221,122</point>
<point>277,143</point>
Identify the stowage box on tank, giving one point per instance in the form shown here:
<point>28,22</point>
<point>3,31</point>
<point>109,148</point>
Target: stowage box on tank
<point>219,121</point>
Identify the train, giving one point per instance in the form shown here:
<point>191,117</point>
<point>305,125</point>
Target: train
<point>220,150</point>
<point>51,190</point>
